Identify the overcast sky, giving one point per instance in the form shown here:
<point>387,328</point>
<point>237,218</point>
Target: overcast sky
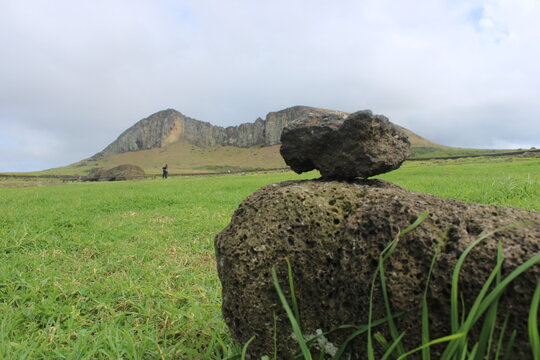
<point>74,74</point>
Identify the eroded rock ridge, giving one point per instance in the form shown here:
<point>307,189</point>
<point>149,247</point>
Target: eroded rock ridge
<point>168,126</point>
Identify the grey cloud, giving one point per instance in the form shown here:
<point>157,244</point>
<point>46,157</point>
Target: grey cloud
<point>76,74</point>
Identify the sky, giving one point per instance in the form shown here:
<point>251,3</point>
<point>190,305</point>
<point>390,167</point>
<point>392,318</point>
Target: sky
<point>75,74</point>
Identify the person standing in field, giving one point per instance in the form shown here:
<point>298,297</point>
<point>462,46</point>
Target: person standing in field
<point>165,169</point>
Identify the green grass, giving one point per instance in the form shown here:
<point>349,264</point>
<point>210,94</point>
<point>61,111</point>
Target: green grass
<point>443,151</point>
<point>114,270</point>
<point>127,269</point>
<point>500,181</point>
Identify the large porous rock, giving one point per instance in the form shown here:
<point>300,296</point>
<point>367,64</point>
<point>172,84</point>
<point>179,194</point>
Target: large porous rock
<point>94,174</point>
<point>333,233</point>
<point>117,173</point>
<point>361,145</point>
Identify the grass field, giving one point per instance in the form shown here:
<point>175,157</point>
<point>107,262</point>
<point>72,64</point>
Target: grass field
<point>500,181</point>
<point>185,158</point>
<point>127,270</point>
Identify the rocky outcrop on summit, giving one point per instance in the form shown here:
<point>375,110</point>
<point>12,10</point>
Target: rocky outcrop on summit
<point>276,121</point>
<point>168,126</point>
<point>159,130</point>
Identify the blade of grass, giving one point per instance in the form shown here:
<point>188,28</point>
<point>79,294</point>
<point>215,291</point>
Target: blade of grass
<point>509,346</point>
<point>473,352</point>
<point>296,327</point>
<point>415,224</point>
<point>426,354</point>
<point>454,314</point>
<point>473,315</point>
<point>224,348</point>
<point>245,347</point>
<point>497,282</point>
<point>501,337</point>
<point>390,349</point>
<point>361,330</point>
<point>500,288</point>
<point>382,340</point>
<point>464,352</point>
<point>399,349</point>
<point>432,342</point>
<point>482,301</point>
<point>534,338</point>
<point>370,351</point>
<point>275,335</point>
<point>488,326</point>
<point>232,357</point>
<point>293,296</point>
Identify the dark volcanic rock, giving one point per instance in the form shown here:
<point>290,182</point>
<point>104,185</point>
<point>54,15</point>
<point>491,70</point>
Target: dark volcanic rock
<point>121,172</point>
<point>362,145</point>
<point>94,174</point>
<point>333,232</point>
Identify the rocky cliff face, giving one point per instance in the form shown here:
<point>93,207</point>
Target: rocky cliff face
<point>168,126</point>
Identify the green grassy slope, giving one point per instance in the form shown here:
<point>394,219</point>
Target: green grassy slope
<point>127,269</point>
<point>184,158</point>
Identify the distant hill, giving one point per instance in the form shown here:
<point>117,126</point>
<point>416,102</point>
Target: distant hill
<point>169,126</point>
<point>189,145</point>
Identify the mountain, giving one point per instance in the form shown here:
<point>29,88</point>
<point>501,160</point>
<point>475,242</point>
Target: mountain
<point>193,146</point>
<point>169,126</point>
